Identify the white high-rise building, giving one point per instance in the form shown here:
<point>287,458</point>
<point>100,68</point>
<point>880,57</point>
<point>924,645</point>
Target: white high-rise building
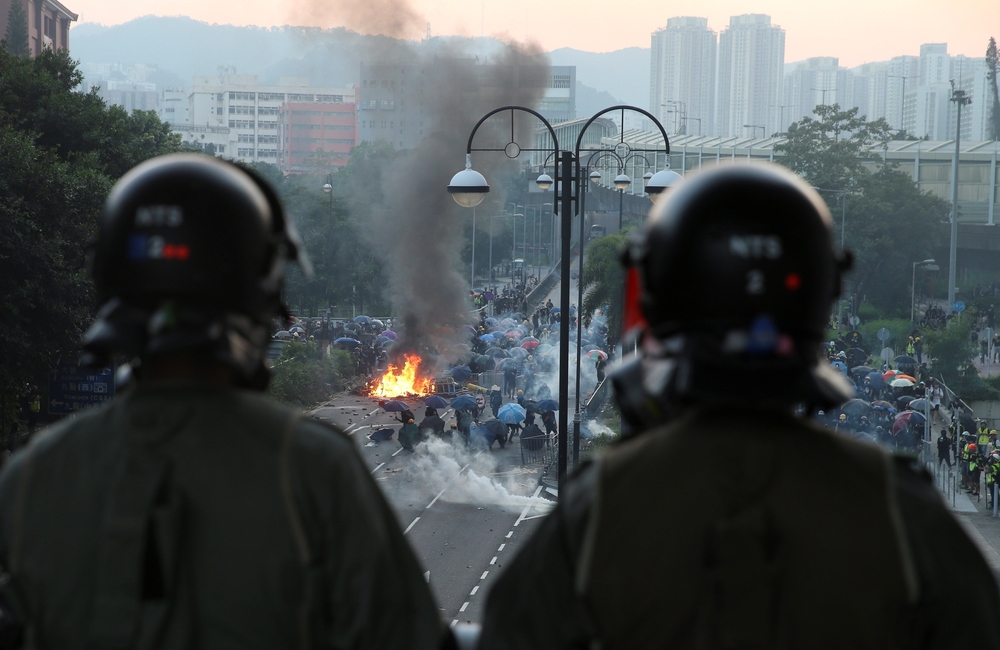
<point>682,76</point>
<point>751,71</point>
<point>815,81</point>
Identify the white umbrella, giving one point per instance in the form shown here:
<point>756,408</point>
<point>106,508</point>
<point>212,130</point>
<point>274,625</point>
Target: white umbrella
<point>901,383</point>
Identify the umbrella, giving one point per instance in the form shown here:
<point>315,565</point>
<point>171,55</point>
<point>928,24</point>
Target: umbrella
<point>543,348</point>
<point>876,380</point>
<point>861,370</point>
<point>381,435</point>
<point>363,320</point>
<point>436,402</point>
<point>888,374</point>
<point>518,353</point>
<point>918,405</point>
<point>598,353</point>
<point>497,353</point>
<point>507,364</point>
<point>283,334</point>
<point>547,405</point>
<point>378,323</point>
<point>470,329</point>
<point>300,330</point>
<point>856,407</point>
<point>491,321</point>
<point>487,338</point>
<point>901,383</point>
<point>497,427</point>
<point>463,403</point>
<point>911,417</point>
<point>511,413</point>
<point>904,400</point>
<point>482,438</point>
<point>389,334</point>
<point>395,406</point>
<point>514,334</point>
<point>529,339</point>
<point>461,373</point>
<point>554,310</point>
<point>882,405</point>
<point>900,375</point>
<point>351,343</point>
<point>840,365</point>
<point>904,359</point>
<point>354,327</point>
<point>529,345</point>
<point>382,340</point>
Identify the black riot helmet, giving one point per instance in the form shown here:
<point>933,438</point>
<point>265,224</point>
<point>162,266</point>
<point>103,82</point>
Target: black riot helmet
<point>738,271</point>
<point>190,252</point>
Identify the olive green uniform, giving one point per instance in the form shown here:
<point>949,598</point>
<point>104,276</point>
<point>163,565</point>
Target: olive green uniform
<point>189,515</point>
<point>800,539</point>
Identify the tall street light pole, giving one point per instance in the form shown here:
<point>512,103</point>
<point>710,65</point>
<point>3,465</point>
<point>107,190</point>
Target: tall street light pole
<point>763,130</point>
<point>960,99</point>
<point>902,97</point>
<point>843,230</point>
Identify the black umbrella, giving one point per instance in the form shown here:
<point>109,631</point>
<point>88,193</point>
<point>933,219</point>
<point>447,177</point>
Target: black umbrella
<point>904,400</point>
<point>968,424</point>
<point>918,405</point>
<point>856,407</point>
<point>905,360</point>
<point>861,370</point>
<point>496,427</point>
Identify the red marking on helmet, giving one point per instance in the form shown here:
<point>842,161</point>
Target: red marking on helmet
<point>176,252</point>
<point>793,281</point>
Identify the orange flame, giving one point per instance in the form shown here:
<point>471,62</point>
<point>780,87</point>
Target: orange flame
<point>398,382</point>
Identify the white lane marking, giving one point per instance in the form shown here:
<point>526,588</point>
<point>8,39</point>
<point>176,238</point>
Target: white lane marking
<point>501,548</point>
<point>494,560</point>
<point>397,451</point>
<point>533,517</point>
<point>380,465</point>
<point>524,512</point>
<point>427,576</point>
<point>349,430</point>
<point>412,524</point>
<point>464,605</point>
<point>474,590</point>
<point>454,623</point>
<point>485,573</point>
<point>510,534</point>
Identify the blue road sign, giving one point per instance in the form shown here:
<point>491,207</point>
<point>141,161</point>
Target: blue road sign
<point>72,388</point>
<point>959,306</point>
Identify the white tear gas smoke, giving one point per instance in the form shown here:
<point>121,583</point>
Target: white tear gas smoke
<point>419,228</point>
<point>438,465</point>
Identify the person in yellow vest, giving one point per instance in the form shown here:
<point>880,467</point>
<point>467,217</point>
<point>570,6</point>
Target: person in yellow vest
<point>911,348</point>
<point>992,468</point>
<point>983,439</point>
<point>805,538</point>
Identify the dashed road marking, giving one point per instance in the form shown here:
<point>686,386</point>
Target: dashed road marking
<point>464,605</point>
<point>454,623</point>
<point>474,590</point>
<point>412,524</point>
<point>494,560</point>
<point>510,534</point>
<point>485,573</point>
<point>397,451</point>
<point>501,548</point>
<point>380,465</point>
<point>524,512</point>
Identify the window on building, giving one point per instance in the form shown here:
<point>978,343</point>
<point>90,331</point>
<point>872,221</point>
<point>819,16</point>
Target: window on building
<point>337,127</point>
<point>267,139</point>
<point>244,137</point>
<point>560,81</point>
<point>267,153</point>
<point>271,97</point>
<point>337,141</point>
<point>268,110</point>
<point>383,124</point>
<point>221,148</point>
<point>302,98</point>
<point>267,126</point>
<point>241,110</point>
<point>244,96</point>
<point>330,99</point>
<point>303,113</point>
<point>347,113</point>
<point>387,105</point>
<point>307,127</point>
<point>244,153</point>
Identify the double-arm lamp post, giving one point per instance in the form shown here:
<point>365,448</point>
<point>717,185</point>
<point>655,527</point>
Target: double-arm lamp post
<point>468,187</point>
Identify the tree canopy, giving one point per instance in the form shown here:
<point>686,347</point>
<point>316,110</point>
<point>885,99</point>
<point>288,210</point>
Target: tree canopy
<point>604,281</point>
<point>889,222</point>
<point>15,40</point>
<point>60,152</point>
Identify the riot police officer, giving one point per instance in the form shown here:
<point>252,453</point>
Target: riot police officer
<point>193,511</point>
<point>802,538</point>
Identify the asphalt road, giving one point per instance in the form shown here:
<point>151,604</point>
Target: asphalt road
<point>465,513</point>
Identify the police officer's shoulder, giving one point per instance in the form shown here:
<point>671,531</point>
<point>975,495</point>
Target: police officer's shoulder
<point>912,476</point>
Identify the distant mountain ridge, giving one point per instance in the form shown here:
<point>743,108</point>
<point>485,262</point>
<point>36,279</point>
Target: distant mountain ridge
<point>182,48</point>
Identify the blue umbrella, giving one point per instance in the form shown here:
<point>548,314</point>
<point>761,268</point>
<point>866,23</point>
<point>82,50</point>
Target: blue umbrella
<point>380,340</point>
<point>395,406</point>
<point>554,310</point>
<point>436,402</point>
<point>488,338</point>
<point>507,364</point>
<point>511,413</point>
<point>841,366</point>
<point>877,381</point>
<point>463,403</point>
<point>351,343</point>
<point>461,373</point>
<point>491,321</point>
<point>363,320</point>
<point>381,435</point>
<point>547,405</point>
<point>481,438</point>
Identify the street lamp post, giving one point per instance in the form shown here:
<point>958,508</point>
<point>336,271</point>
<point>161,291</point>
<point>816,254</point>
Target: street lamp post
<point>763,130</point>
<point>694,119</point>
<point>843,230</point>
<point>468,188</point>
<point>913,288</point>
<point>960,99</point>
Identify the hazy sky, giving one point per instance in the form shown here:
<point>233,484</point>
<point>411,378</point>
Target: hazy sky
<point>856,31</point>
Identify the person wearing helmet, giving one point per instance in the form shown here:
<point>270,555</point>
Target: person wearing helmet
<point>992,467</point>
<point>807,538</point>
<point>192,511</point>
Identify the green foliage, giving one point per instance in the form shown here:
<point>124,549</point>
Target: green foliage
<point>992,69</point>
<point>950,352</point>
<point>60,153</point>
<point>16,37</point>
<point>604,281</point>
<point>899,327</point>
<point>300,377</point>
<point>882,208</point>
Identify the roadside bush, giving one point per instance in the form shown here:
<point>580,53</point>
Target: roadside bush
<point>900,328</point>
<point>300,377</point>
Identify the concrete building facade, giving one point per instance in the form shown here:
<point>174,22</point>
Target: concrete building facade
<point>48,23</point>
<point>316,137</point>
<point>815,81</point>
<point>751,71</point>
<point>682,76</point>
<point>251,111</point>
